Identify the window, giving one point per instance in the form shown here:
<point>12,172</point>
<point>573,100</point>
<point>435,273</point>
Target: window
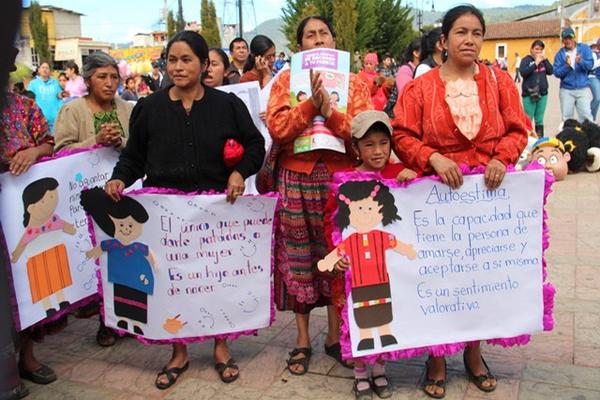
<point>501,50</point>
<point>35,58</point>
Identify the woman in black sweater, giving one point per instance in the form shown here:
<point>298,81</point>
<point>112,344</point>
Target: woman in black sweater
<point>534,69</point>
<point>176,140</point>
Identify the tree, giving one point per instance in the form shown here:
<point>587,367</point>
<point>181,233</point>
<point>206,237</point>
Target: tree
<point>210,27</point>
<point>171,30</point>
<point>39,32</point>
<point>366,25</point>
<point>293,12</point>
<point>180,22</point>
<point>394,28</point>
<point>345,17</point>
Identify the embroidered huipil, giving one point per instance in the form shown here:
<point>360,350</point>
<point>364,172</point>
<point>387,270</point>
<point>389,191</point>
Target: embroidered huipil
<point>22,126</point>
<point>424,123</point>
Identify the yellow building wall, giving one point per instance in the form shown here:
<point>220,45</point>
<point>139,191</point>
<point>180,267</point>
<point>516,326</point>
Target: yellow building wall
<point>46,16</point>
<point>521,46</point>
<point>590,30</point>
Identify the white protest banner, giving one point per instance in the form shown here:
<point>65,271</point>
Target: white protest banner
<point>431,265</point>
<point>250,94</point>
<point>46,232</point>
<point>183,267</point>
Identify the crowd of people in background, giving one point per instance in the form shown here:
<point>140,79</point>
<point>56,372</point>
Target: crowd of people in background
<point>94,106</point>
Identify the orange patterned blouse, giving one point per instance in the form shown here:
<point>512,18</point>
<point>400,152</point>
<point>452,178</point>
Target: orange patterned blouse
<point>285,123</point>
<point>424,123</point>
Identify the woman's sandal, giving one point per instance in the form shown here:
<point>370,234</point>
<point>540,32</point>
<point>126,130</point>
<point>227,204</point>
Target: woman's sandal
<point>383,391</point>
<point>222,367</point>
<point>335,351</point>
<point>366,394</point>
<point>306,352</point>
<point>172,374</point>
<point>479,379</point>
<point>440,383</point>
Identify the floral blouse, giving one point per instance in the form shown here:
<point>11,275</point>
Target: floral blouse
<point>22,125</point>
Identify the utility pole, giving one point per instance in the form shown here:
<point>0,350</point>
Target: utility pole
<point>241,17</point>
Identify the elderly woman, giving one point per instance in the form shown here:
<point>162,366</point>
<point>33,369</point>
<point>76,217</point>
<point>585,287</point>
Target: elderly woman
<point>461,112</point>
<point>190,158</point>
<point>98,117</point>
<point>303,180</point>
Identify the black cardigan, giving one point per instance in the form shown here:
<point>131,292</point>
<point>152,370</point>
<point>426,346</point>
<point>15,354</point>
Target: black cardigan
<point>185,152</point>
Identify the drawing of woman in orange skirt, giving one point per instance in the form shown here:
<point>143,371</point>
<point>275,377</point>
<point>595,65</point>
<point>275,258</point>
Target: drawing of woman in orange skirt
<point>47,261</point>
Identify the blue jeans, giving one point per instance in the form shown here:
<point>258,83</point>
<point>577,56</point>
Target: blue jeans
<point>580,99</point>
<point>595,86</point>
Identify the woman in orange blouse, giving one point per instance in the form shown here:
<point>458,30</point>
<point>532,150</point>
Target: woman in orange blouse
<point>461,112</point>
<point>302,181</point>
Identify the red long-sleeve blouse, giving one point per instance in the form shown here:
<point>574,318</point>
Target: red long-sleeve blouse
<point>424,125</point>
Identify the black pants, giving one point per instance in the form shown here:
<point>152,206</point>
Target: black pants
<point>126,309</point>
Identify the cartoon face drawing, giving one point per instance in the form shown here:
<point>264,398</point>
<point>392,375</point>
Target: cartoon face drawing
<point>43,209</point>
<point>126,229</point>
<point>248,249</point>
<point>365,214</point>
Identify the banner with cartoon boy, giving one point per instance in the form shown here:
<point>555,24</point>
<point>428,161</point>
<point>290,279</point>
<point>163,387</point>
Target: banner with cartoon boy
<point>177,267</point>
<point>47,234</point>
<point>430,265</point>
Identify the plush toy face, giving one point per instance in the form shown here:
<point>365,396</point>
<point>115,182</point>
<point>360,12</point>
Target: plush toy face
<point>553,160</point>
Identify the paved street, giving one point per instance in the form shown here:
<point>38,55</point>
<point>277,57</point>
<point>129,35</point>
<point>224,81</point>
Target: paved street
<point>562,364</point>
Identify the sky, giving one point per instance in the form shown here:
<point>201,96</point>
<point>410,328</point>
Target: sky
<point>116,21</point>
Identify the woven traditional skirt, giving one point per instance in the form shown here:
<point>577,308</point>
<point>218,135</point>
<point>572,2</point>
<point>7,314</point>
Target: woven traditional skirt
<point>131,303</point>
<point>299,286</point>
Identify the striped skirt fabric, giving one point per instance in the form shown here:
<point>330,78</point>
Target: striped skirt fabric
<point>48,272</point>
<point>299,286</point>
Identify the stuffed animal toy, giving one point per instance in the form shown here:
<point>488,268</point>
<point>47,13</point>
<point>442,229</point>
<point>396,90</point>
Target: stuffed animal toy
<point>550,152</point>
<point>582,141</point>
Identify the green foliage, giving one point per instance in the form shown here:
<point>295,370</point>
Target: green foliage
<point>294,12</point>
<point>394,28</point>
<point>210,27</point>
<point>179,22</point>
<point>366,25</point>
<point>345,17</point>
<point>170,25</point>
<point>39,32</point>
<point>22,73</point>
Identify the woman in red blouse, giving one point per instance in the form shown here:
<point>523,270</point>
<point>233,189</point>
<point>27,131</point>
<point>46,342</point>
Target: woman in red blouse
<point>455,114</point>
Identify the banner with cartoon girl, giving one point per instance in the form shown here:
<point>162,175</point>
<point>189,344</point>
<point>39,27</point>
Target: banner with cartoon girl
<point>46,233</point>
<point>182,268</point>
<point>432,266</point>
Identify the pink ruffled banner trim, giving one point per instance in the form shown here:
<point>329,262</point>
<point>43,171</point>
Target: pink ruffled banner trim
<point>548,291</point>
<point>195,339</point>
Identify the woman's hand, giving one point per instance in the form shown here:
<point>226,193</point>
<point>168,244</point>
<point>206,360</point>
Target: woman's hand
<point>315,88</point>
<point>109,135</point>
<point>263,117</point>
<point>114,188</point>
<point>342,265</point>
<point>262,66</point>
<point>326,109</point>
<point>406,175</point>
<point>494,174</point>
<point>446,169</point>
<point>23,160</point>
<point>235,186</point>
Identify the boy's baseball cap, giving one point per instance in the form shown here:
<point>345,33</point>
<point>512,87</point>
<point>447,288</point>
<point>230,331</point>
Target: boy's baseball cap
<point>362,122</point>
<point>567,33</point>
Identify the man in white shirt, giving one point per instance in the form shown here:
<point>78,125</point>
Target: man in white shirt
<point>517,65</point>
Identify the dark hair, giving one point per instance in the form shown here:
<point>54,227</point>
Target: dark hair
<point>455,13</point>
<point>376,127</point>
<point>19,87</point>
<point>101,207</point>
<point>302,25</point>
<point>29,94</point>
<point>72,65</point>
<point>34,193</point>
<point>224,60</point>
<point>258,46</point>
<point>195,41</point>
<point>359,190</point>
<point>237,40</point>
<point>428,43</point>
<point>538,42</point>
<point>128,79</point>
<point>415,44</point>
